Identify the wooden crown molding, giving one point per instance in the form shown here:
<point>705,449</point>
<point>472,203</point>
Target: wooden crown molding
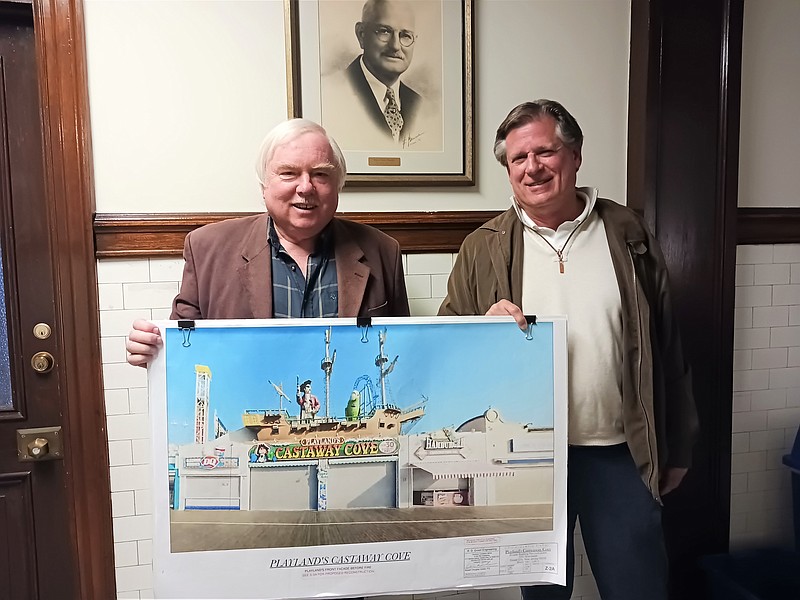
<point>132,235</point>
<point>768,226</point>
<point>138,235</point>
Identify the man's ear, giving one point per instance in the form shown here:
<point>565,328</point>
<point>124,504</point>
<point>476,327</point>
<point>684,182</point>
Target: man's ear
<point>360,34</point>
<point>577,157</point>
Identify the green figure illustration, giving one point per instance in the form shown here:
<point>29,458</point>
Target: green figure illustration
<point>353,409</point>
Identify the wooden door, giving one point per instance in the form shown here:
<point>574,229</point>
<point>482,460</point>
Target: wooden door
<point>35,537</point>
<point>49,546</point>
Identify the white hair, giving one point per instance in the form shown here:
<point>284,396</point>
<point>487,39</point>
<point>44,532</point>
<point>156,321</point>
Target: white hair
<point>288,131</point>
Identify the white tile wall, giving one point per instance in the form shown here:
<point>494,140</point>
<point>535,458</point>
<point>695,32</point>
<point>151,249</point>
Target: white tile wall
<point>766,393</point>
<point>131,289</point>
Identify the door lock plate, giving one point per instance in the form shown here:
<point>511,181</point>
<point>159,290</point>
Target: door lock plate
<point>42,362</point>
<point>40,443</point>
<point>42,331</point>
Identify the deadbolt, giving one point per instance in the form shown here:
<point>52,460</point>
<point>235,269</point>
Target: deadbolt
<point>42,331</point>
<point>40,443</point>
<point>42,362</point>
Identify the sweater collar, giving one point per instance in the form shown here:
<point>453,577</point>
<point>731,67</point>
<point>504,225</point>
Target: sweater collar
<point>587,194</point>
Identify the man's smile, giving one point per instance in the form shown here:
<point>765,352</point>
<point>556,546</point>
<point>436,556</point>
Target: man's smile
<point>539,182</point>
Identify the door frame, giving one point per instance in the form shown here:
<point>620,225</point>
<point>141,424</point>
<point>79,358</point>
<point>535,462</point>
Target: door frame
<point>684,93</point>
<point>66,139</point>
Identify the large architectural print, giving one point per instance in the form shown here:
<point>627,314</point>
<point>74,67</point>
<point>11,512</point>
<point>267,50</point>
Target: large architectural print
<point>344,457</point>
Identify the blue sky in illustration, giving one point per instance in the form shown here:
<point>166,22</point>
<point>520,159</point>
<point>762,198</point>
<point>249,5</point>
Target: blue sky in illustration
<point>461,368</point>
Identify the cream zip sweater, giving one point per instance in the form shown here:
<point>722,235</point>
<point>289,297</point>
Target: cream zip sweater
<point>587,292</point>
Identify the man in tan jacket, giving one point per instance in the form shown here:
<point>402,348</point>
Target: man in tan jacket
<point>632,420</point>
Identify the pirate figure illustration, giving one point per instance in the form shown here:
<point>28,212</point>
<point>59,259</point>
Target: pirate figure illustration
<point>309,404</point>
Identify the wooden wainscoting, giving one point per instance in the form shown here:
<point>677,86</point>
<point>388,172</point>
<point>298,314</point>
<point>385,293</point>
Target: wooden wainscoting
<point>139,235</point>
<point>133,235</point>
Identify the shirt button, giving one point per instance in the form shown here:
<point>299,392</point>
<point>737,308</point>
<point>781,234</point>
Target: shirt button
<point>294,268</point>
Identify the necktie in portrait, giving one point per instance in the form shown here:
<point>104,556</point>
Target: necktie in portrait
<point>392,113</point>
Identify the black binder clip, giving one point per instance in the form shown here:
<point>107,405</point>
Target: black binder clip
<point>364,323</point>
<point>186,328</point>
<point>531,321</point>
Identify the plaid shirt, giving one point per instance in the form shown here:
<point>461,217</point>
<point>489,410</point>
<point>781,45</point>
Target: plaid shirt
<point>295,296</point>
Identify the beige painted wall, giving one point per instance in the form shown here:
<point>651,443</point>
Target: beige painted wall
<point>182,91</point>
<point>769,141</point>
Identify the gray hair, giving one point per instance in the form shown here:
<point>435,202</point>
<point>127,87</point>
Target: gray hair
<point>567,127</point>
<point>288,131</point>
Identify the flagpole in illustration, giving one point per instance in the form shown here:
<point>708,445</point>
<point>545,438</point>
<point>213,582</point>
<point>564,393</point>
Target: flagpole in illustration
<point>327,367</point>
<point>380,362</point>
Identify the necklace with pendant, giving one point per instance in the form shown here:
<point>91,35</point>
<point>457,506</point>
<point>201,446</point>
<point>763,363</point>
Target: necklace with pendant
<point>559,253</point>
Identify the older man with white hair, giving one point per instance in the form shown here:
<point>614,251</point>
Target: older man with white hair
<point>295,260</point>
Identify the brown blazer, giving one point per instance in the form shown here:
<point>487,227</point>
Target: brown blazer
<point>228,272</point>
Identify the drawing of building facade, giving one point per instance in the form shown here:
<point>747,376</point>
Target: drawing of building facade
<point>484,462</point>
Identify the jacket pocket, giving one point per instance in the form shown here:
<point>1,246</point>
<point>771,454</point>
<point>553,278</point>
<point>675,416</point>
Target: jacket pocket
<point>379,308</point>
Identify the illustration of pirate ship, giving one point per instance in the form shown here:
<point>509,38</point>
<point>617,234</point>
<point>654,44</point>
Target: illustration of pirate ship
<point>367,413</point>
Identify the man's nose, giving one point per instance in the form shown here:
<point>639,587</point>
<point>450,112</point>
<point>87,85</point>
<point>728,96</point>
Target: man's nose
<point>304,185</point>
<point>532,162</point>
<point>394,41</point>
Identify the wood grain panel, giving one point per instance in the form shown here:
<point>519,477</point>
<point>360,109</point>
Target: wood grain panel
<point>694,216</point>
<point>17,559</point>
<point>64,98</point>
<point>768,226</point>
<point>130,235</point>
<point>138,235</point>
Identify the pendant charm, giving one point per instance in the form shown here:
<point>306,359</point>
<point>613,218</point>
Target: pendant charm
<point>560,267</point>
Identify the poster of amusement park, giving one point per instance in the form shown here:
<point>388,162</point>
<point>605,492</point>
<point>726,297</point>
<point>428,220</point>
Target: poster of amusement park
<point>300,458</point>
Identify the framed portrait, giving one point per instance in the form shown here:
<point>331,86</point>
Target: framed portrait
<point>391,82</point>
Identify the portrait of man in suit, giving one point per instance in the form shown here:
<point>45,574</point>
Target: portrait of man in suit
<point>386,36</point>
<point>369,103</point>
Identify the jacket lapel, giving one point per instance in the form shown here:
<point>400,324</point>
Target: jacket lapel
<point>351,272</point>
<point>365,95</point>
<point>255,272</point>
